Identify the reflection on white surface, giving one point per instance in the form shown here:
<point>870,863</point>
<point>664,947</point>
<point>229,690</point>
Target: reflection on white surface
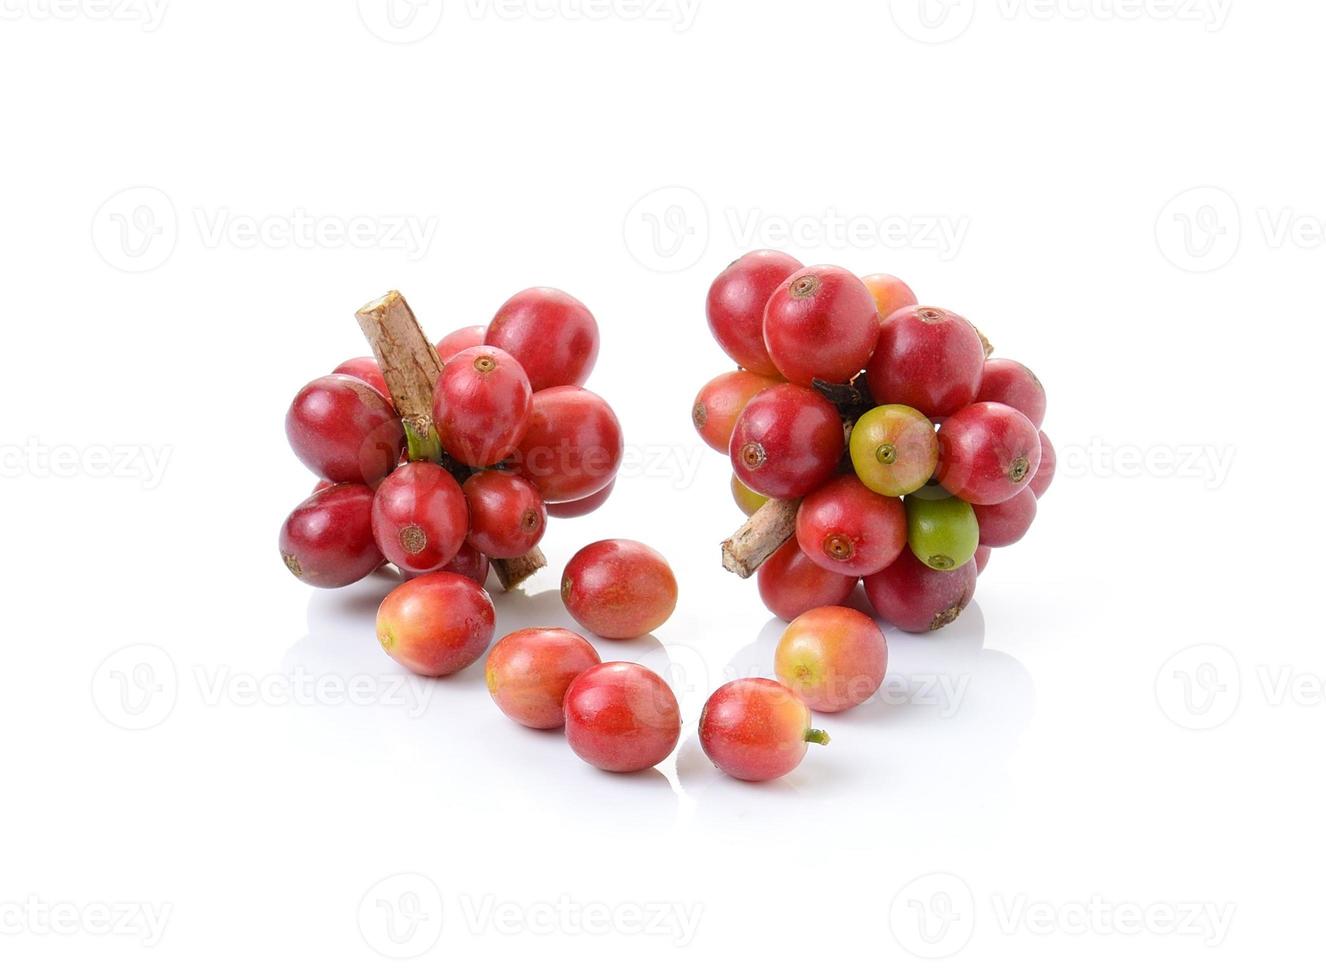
<point>940,730</point>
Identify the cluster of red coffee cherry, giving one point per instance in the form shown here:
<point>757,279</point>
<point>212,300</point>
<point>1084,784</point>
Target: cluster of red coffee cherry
<point>512,439</point>
<point>872,440</point>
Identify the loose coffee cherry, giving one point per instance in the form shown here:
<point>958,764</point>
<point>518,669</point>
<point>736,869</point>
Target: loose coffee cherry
<point>942,531</point>
<point>572,447</point>
<point>927,358</point>
<point>1013,384</point>
<point>787,442</point>
<point>621,717</point>
<point>344,431</point>
<point>481,405</point>
<point>1006,523</point>
<point>846,527</point>
<point>366,370</point>
<point>583,506</point>
<point>327,541</point>
<point>507,518</point>
<point>736,306</point>
<point>459,340</point>
<point>821,323</point>
<point>890,293</point>
<point>528,672</point>
<point>833,658</point>
<point>791,584</point>
<point>553,336</point>
<point>987,453</point>
<point>721,401</point>
<point>436,624</point>
<point>982,558</point>
<point>916,598</point>
<point>619,589</point>
<point>419,517</point>
<point>747,499</point>
<point>894,450</point>
<point>756,729</point>
<point>1045,472</point>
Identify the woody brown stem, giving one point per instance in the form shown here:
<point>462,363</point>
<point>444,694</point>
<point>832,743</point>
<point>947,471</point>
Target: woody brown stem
<point>411,366</point>
<point>760,537</point>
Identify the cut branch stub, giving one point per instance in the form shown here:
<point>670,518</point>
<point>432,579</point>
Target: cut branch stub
<point>408,361</point>
<point>411,366</point>
<point>760,537</point>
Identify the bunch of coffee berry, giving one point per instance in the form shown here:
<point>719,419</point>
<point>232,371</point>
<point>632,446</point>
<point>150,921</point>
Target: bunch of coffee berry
<point>872,439</point>
<point>444,459</point>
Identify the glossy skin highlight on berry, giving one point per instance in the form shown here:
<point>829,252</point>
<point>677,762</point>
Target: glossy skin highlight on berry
<point>619,589</point>
<point>720,403</point>
<point>791,584</point>
<point>344,431</point>
<point>833,658</point>
<point>894,449</point>
<point>436,624</point>
<point>847,528</point>
<point>942,531</point>
<point>1013,384</point>
<point>890,293</point>
<point>757,729</point>
<point>327,541</point>
<point>927,358</point>
<point>916,598</point>
<point>988,452</point>
<point>736,302</point>
<point>420,518</point>
<point>621,717</point>
<point>786,442</point>
<point>552,334</point>
<point>821,323</point>
<point>528,672</point>
<point>572,447</point>
<point>507,516</point>
<point>481,406</point>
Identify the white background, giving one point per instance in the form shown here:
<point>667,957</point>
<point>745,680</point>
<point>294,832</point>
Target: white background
<point>1110,763</point>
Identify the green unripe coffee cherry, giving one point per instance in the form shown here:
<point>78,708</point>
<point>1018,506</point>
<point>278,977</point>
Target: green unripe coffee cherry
<point>942,532</point>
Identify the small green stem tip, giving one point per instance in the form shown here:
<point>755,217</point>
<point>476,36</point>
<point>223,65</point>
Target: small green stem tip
<point>426,448</point>
<point>817,736</point>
